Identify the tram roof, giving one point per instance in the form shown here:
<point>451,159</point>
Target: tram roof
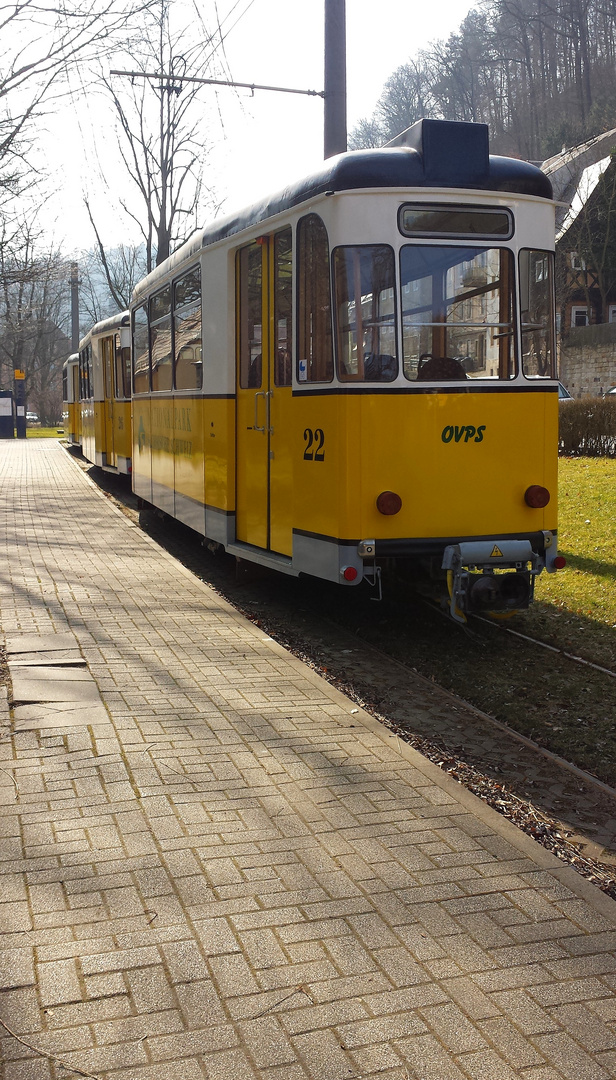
<point>107,326</point>
<point>435,154</point>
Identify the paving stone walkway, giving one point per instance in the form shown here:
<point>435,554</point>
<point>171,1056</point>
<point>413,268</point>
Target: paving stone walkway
<point>214,867</point>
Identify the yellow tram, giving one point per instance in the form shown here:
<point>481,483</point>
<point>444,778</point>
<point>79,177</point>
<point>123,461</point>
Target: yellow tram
<point>105,394</point>
<point>71,408</point>
<point>360,371</point>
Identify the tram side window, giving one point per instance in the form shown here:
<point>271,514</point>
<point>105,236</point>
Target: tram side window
<point>187,331</point>
<point>314,344</point>
<point>160,340</point>
<point>106,352</point>
<point>122,369</point>
<point>365,283</point>
<point>141,353</point>
<point>85,373</point>
<point>457,312</point>
<point>537,311</point>
<point>64,384</point>
<point>250,274</point>
<point>283,307</point>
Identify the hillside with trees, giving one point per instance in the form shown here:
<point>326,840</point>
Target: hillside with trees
<point>540,73</point>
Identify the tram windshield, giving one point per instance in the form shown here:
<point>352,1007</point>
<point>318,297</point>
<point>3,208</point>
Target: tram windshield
<point>457,312</point>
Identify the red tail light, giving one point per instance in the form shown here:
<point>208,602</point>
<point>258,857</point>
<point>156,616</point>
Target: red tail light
<point>536,496</point>
<point>388,503</point>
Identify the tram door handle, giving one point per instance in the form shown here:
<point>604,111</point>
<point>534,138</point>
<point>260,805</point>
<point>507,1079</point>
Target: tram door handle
<point>267,395</point>
<point>256,426</point>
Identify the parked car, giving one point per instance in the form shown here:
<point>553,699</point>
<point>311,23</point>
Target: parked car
<point>563,393</point>
<point>32,417</point>
<point>612,390</point>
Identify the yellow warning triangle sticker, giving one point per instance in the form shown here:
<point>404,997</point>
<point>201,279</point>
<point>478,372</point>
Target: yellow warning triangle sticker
<point>496,553</point>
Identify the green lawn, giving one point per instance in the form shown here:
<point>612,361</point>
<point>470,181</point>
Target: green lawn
<point>44,432</point>
<point>576,607</point>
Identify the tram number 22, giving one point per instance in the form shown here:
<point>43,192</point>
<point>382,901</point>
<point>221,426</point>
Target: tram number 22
<point>315,441</point>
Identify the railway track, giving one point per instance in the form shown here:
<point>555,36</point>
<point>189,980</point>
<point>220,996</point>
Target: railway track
<point>560,804</point>
<point>551,648</point>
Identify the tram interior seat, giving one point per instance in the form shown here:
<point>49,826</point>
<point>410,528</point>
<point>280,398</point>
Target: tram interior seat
<point>380,367</point>
<point>439,367</point>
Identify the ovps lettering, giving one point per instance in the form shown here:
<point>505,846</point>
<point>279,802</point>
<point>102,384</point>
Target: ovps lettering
<point>453,433</point>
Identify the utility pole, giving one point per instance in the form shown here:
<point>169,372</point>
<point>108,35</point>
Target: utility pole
<point>74,283</point>
<point>335,141</point>
<point>334,94</point>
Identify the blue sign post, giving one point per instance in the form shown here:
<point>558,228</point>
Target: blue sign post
<point>20,403</point>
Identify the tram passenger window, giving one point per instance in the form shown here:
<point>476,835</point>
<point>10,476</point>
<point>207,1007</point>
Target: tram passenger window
<point>187,331</point>
<point>141,354</point>
<point>314,329</point>
<point>251,314</point>
<point>117,366</point>
<point>85,367</point>
<point>122,369</point>
<point>536,304</point>
<point>283,307</point>
<point>160,340</point>
<point>366,313</point>
<point>106,348</point>
<point>457,312</point>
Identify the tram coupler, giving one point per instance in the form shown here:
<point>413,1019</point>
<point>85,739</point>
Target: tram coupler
<point>371,573</point>
<point>474,584</point>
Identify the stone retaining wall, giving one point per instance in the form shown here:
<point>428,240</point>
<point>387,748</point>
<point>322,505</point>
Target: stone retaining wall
<point>587,359</point>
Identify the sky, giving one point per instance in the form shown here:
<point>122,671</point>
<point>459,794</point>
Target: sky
<point>261,141</point>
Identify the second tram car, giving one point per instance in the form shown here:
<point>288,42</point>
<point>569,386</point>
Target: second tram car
<point>360,371</point>
<point>105,394</point>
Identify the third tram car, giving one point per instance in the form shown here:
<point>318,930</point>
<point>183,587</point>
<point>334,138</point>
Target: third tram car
<point>360,371</point>
<point>71,396</point>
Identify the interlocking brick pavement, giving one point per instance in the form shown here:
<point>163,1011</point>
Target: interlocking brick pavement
<point>214,867</point>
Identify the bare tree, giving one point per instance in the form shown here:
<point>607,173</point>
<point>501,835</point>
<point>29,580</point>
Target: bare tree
<point>41,41</point>
<point>34,317</point>
<point>407,96</point>
<point>540,73</point>
<point>108,277</point>
<point>162,140</point>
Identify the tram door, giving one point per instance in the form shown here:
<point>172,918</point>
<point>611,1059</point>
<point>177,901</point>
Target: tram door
<point>264,376</point>
<point>107,345</point>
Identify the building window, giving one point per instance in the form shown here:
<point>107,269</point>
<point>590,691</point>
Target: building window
<point>611,315</point>
<point>579,316</point>
<point>576,261</point>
